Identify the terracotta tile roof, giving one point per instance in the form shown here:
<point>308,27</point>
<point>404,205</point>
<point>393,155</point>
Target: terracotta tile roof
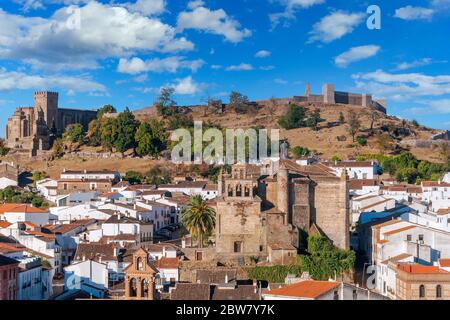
<point>240,292</point>
<point>444,263</point>
<point>44,236</point>
<point>388,233</point>
<point>10,248</point>
<point>351,164</point>
<point>191,291</point>
<point>19,207</point>
<point>215,275</point>
<point>4,224</point>
<point>419,269</point>
<point>443,211</point>
<point>435,184</point>
<point>167,263</point>
<point>358,184</point>
<point>305,289</point>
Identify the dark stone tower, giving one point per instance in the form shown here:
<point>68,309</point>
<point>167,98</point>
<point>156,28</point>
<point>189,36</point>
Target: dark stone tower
<point>48,103</point>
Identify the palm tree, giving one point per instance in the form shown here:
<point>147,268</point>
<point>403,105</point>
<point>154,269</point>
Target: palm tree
<point>198,218</point>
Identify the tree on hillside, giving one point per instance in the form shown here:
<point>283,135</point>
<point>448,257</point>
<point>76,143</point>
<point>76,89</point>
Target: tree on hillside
<point>239,102</point>
<point>198,218</point>
<point>157,175</point>
<point>133,177</point>
<point>105,109</point>
<point>38,175</point>
<point>126,130</point>
<point>93,134</point>
<point>353,123</point>
<point>108,133</point>
<point>293,118</point>
<point>58,149</point>
<point>314,119</point>
<point>215,105</point>
<point>3,149</point>
<point>151,138</point>
<point>165,104</point>
<point>74,133</point>
<point>298,152</point>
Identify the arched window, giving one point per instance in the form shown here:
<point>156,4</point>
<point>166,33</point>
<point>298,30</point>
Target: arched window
<point>246,192</point>
<point>144,288</point>
<point>438,291</point>
<point>133,287</point>
<point>139,264</point>
<point>422,291</point>
<point>230,191</point>
<point>238,190</point>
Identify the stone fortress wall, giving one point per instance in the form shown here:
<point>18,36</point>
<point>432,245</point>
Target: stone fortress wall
<point>330,96</point>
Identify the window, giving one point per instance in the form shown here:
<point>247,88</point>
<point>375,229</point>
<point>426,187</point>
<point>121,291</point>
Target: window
<point>355,295</point>
<point>237,246</point>
<point>438,291</point>
<point>420,237</point>
<point>422,291</point>
<point>408,237</point>
<point>336,296</point>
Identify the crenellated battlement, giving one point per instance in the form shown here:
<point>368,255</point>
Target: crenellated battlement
<point>45,93</point>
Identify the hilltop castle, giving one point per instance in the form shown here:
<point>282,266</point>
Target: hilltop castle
<point>330,96</point>
<point>29,128</point>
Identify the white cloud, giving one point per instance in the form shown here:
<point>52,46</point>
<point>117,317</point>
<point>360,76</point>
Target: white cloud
<point>290,7</point>
<point>187,86</point>
<point>12,80</point>
<point>79,36</point>
<point>335,26</point>
<point>414,13</point>
<point>263,54</point>
<point>147,7</point>
<point>240,67</point>
<point>403,86</point>
<point>267,68</point>
<point>280,81</point>
<point>171,64</point>
<point>414,64</point>
<point>356,54</point>
<point>212,21</point>
<point>216,66</point>
<point>195,4</point>
<point>440,106</point>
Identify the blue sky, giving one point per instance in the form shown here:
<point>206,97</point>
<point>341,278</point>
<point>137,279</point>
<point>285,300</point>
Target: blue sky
<point>123,52</point>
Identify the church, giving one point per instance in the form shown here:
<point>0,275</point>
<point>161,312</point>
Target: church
<point>273,208</point>
<point>30,128</point>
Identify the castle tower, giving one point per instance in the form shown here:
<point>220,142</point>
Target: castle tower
<point>283,191</point>
<point>307,90</point>
<point>48,103</point>
<point>328,93</point>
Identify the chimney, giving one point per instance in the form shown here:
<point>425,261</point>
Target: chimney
<point>226,277</point>
<point>115,251</point>
<point>100,259</point>
<point>84,258</point>
<point>119,215</point>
